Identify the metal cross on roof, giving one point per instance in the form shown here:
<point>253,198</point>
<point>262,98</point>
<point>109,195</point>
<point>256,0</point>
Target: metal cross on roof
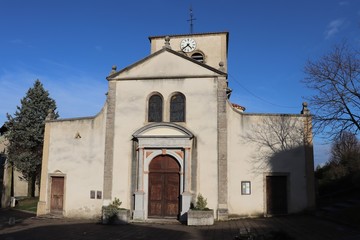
<point>191,21</point>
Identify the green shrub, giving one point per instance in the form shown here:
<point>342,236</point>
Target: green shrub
<point>201,203</point>
<point>110,211</point>
<point>116,203</point>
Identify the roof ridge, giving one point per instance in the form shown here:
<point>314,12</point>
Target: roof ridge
<point>170,51</point>
<point>190,34</point>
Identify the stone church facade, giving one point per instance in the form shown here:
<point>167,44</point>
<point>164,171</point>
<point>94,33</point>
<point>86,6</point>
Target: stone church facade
<point>168,132</point>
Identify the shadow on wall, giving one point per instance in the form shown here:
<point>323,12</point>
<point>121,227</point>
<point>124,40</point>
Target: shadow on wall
<point>282,155</point>
<point>278,142</point>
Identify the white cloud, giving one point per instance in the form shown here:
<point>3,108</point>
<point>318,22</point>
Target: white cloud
<point>17,41</point>
<point>56,65</point>
<point>333,28</point>
<point>13,89</point>
<point>20,42</point>
<point>77,94</point>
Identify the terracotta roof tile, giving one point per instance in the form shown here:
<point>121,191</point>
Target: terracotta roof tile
<point>237,106</point>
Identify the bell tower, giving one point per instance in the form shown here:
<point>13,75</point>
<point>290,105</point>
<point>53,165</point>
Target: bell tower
<point>207,48</point>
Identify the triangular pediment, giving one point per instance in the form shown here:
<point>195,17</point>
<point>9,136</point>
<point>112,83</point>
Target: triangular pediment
<point>163,130</point>
<point>166,63</point>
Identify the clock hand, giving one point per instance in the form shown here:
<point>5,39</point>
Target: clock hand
<point>187,45</point>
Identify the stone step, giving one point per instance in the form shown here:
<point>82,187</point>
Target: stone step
<point>50,216</point>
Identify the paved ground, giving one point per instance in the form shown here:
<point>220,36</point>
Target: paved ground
<point>15,225</point>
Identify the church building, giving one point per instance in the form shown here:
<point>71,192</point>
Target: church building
<point>168,132</point>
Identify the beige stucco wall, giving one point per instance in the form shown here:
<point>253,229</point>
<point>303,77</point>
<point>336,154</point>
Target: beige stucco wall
<point>247,163</point>
<point>3,143</point>
<point>131,114</point>
<point>5,177</point>
<point>77,152</point>
<point>20,185</point>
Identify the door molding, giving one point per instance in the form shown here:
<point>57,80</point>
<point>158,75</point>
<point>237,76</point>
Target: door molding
<point>162,139</point>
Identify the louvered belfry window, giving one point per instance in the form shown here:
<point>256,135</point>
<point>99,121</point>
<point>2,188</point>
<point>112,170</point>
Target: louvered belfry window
<point>198,57</point>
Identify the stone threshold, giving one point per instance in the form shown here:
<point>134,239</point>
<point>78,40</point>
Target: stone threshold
<point>167,221</point>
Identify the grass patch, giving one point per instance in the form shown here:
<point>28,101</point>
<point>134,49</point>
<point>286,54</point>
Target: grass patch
<point>27,204</point>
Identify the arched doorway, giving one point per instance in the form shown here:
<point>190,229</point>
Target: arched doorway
<point>164,187</point>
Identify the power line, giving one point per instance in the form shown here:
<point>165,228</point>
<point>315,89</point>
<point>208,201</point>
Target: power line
<point>256,96</point>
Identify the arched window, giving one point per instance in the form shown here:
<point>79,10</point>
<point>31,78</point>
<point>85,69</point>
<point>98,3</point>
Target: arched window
<point>177,108</point>
<point>155,109</point>
<point>198,57</point>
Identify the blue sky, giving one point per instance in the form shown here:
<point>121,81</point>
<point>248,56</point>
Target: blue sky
<point>71,45</point>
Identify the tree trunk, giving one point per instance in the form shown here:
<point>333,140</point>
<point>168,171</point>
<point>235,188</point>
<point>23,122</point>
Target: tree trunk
<point>31,187</point>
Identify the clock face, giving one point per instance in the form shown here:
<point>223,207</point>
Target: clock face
<point>188,45</point>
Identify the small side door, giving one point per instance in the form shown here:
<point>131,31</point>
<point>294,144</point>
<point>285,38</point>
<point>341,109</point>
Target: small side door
<point>276,195</point>
<point>57,195</point>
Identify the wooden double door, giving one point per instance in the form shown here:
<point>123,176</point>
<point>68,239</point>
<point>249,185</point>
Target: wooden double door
<point>164,187</point>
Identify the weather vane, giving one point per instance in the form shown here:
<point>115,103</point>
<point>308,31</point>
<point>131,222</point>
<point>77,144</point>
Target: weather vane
<point>191,20</point>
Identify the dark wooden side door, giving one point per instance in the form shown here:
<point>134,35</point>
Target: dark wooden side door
<point>57,195</point>
<point>164,187</point>
<point>276,194</point>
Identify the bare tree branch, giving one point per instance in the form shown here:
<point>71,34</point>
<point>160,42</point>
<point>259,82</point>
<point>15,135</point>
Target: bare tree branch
<point>275,134</point>
<point>335,77</point>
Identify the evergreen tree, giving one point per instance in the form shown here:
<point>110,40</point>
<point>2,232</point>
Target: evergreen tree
<point>26,134</point>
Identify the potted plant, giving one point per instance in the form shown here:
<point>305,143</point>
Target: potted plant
<point>200,214</point>
<point>113,214</point>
